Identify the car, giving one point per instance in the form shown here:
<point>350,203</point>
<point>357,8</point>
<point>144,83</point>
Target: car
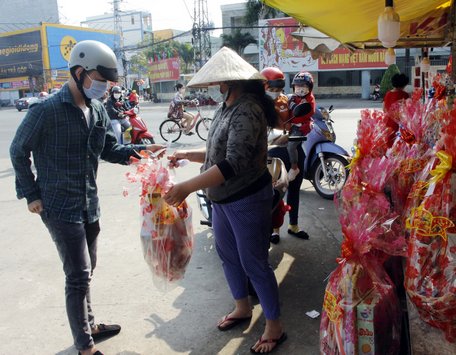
<point>26,102</point>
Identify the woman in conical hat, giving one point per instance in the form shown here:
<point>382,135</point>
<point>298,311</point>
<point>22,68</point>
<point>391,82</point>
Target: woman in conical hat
<point>236,179</point>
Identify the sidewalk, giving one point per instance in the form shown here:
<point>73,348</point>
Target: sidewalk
<point>181,321</point>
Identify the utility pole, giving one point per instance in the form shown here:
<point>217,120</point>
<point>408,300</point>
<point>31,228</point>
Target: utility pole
<point>201,36</point>
<point>118,42</point>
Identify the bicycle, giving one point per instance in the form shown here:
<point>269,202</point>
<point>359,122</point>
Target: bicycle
<point>171,129</point>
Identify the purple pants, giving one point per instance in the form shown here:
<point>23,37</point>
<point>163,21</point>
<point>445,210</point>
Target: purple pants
<point>242,229</point>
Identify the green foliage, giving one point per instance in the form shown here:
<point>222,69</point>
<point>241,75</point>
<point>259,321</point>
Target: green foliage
<point>237,40</point>
<point>385,84</point>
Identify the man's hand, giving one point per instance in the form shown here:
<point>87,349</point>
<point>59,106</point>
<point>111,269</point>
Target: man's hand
<point>35,206</point>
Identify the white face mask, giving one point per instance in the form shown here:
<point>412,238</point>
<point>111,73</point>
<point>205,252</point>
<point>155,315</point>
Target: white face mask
<point>302,90</point>
<point>117,96</point>
<point>97,88</point>
<point>272,94</point>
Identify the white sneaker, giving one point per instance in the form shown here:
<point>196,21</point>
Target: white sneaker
<point>292,174</point>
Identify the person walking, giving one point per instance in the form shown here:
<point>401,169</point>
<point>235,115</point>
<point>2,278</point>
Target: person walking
<point>238,183</point>
<point>67,134</point>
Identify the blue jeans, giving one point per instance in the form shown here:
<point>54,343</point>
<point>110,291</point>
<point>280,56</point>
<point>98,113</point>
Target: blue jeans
<point>77,247</point>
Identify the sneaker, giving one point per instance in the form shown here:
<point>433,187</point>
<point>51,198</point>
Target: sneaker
<point>189,133</point>
<point>292,174</point>
<point>274,238</point>
<point>296,232</point>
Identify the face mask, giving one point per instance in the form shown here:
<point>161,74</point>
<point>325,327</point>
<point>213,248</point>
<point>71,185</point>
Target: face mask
<point>117,96</point>
<point>302,91</point>
<point>272,94</point>
<point>97,88</point>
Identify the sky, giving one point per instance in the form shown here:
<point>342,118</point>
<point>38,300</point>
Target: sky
<point>175,14</point>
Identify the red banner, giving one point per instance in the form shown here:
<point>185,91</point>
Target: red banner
<point>164,70</point>
<point>342,58</point>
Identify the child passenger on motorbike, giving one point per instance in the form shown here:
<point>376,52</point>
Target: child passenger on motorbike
<point>115,108</point>
<point>177,111</point>
<point>275,82</point>
<point>302,107</point>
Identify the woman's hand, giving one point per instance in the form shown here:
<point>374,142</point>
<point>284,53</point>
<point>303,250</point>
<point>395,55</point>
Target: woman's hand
<point>175,157</point>
<point>158,149</point>
<point>176,194</point>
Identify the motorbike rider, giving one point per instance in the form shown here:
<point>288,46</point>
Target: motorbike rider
<point>176,109</point>
<point>302,107</point>
<point>376,93</point>
<point>115,108</point>
<point>278,149</point>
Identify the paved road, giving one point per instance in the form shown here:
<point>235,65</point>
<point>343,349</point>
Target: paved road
<point>181,321</point>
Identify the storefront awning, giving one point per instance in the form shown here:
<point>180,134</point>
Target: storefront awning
<point>424,23</point>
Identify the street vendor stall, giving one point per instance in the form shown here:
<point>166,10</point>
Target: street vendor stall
<point>400,199</point>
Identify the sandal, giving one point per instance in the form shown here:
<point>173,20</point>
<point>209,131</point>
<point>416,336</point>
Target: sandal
<point>275,342</point>
<point>233,322</point>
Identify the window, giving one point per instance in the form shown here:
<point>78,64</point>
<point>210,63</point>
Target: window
<point>132,20</point>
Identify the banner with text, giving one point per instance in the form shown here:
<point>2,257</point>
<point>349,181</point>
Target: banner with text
<point>164,70</point>
<point>20,55</point>
<point>342,59</point>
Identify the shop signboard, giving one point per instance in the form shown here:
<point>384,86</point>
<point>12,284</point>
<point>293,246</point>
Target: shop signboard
<point>278,48</point>
<point>164,70</point>
<point>20,54</point>
<point>344,59</point>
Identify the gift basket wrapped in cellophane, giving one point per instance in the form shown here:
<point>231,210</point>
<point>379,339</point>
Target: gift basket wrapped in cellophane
<point>430,278</point>
<point>361,311</point>
<point>419,125</point>
<point>166,231</point>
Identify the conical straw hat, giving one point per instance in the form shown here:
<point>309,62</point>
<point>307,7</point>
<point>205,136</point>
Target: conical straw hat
<point>225,65</point>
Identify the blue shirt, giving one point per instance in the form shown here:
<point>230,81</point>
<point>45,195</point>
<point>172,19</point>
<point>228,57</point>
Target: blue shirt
<point>65,153</point>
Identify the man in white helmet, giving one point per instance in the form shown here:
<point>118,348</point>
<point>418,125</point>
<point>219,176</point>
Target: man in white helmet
<point>67,134</point>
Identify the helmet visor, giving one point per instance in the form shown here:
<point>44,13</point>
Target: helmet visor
<point>110,74</point>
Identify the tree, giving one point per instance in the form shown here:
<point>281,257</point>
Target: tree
<point>237,40</point>
<point>256,10</point>
<point>385,84</point>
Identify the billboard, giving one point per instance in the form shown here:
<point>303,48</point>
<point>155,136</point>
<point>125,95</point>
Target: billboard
<point>278,48</point>
<point>21,54</point>
<point>61,39</point>
<point>164,70</point>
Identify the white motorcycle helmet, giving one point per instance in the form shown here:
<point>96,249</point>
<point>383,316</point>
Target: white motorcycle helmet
<point>94,55</point>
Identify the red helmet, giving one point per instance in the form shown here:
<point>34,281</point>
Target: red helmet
<point>303,78</point>
<point>274,76</point>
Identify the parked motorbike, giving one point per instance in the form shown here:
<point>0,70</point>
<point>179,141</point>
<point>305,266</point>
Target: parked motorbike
<point>325,162</point>
<point>137,133</point>
<point>376,93</point>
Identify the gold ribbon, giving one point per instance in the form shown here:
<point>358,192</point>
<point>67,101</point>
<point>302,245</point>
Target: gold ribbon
<point>355,159</point>
<point>445,165</point>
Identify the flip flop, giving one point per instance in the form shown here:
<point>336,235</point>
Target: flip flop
<point>234,322</point>
<point>276,343</point>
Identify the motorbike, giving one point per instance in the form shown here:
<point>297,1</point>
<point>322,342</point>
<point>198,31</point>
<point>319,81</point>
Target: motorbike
<point>137,133</point>
<point>325,162</point>
<point>376,94</point>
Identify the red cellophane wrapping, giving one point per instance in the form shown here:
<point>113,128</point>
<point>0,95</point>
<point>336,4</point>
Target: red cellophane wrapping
<point>430,278</point>
<point>166,231</point>
<point>361,312</point>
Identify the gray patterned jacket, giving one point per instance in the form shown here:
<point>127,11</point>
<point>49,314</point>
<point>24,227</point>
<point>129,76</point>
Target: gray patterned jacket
<point>237,143</point>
